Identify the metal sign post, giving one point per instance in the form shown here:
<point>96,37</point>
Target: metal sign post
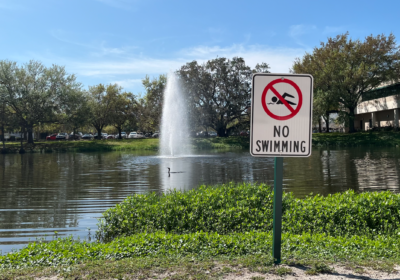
<point>281,119</point>
<point>277,223</point>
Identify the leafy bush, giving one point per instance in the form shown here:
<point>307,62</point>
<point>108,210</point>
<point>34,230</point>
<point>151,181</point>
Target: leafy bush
<point>224,209</point>
<point>307,246</point>
<point>244,207</point>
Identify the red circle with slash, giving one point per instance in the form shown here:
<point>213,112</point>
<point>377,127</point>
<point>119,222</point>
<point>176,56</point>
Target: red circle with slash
<point>293,112</point>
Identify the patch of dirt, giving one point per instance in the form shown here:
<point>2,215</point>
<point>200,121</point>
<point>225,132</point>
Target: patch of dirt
<point>297,273</point>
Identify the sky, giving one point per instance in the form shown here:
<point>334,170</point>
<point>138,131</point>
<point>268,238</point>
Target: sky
<point>122,41</point>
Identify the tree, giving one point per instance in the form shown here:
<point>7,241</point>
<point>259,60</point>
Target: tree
<point>149,108</point>
<point>34,92</point>
<point>123,110</point>
<point>219,92</point>
<point>77,110</point>
<point>324,104</point>
<point>346,68</point>
<point>101,104</point>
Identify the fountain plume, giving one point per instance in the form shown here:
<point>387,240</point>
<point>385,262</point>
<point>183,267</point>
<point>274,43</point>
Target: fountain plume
<point>175,131</point>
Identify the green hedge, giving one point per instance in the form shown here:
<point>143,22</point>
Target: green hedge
<point>243,207</point>
<point>199,245</point>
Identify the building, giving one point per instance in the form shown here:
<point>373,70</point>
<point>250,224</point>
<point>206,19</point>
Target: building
<point>378,108</point>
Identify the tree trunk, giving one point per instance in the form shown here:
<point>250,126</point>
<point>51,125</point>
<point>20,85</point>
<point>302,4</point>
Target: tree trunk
<point>327,122</point>
<point>21,150</point>
<point>351,120</point>
<point>222,132</point>
<point>73,135</point>
<point>3,139</point>
<point>119,132</point>
<point>30,136</point>
<point>319,125</point>
<point>98,133</point>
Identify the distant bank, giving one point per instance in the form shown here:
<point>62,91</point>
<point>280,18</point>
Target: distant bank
<point>358,139</point>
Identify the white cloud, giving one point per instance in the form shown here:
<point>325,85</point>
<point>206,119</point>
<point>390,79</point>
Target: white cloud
<point>131,66</point>
<point>297,31</point>
<point>96,49</point>
<point>128,67</point>
<point>279,59</point>
<point>128,83</point>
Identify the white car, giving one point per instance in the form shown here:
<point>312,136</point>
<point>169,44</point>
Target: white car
<point>132,135</point>
<point>140,135</point>
<point>62,136</point>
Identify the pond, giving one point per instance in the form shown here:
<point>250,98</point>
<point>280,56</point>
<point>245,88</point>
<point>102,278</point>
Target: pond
<point>67,192</point>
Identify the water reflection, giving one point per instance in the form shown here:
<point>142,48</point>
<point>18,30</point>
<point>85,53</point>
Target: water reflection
<point>66,192</point>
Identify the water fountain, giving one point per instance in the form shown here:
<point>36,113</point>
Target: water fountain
<point>175,131</point>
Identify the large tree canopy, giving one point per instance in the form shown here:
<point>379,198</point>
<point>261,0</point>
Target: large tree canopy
<point>101,103</point>
<point>218,92</point>
<point>346,68</point>
<point>34,92</point>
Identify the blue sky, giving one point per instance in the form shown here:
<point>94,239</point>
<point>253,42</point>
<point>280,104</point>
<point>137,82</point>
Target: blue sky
<point>122,41</point>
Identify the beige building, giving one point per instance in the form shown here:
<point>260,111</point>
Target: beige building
<point>378,108</point>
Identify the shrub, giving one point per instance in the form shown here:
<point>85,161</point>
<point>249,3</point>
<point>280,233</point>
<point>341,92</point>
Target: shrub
<point>244,207</point>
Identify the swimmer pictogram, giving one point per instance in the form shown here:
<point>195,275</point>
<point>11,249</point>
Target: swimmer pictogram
<point>282,99</point>
<point>274,99</point>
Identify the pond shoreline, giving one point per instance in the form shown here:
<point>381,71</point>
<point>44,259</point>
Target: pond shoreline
<point>358,139</point>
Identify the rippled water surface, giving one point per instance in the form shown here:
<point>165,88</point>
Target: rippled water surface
<point>67,192</point>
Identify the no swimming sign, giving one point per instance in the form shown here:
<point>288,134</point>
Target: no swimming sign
<point>281,115</point>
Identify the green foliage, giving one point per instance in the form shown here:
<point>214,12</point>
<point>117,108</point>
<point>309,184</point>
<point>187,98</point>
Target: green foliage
<point>243,207</point>
<point>358,139</point>
<point>231,142</point>
<point>223,209</point>
<point>344,69</point>
<point>218,92</point>
<point>205,245</point>
<point>35,93</point>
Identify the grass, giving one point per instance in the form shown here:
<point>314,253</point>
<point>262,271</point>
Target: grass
<point>197,253</point>
<point>148,144</point>
<point>369,138</point>
<point>359,139</point>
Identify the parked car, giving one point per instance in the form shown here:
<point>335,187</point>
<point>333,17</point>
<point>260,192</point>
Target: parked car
<point>139,135</point>
<point>156,134</point>
<point>133,134</point>
<point>87,136</point>
<point>103,135</point>
<point>110,136</point>
<point>51,137</point>
<point>244,133</point>
<point>62,136</point>
<point>202,134</point>
<point>78,136</point>
<point>212,134</point>
<point>123,135</point>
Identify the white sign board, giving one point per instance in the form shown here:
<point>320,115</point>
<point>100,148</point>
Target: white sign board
<point>281,115</point>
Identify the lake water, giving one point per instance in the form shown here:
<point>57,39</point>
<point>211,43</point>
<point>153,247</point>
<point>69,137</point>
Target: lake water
<point>67,192</point>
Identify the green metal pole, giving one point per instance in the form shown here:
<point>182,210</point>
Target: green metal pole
<point>277,230</point>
